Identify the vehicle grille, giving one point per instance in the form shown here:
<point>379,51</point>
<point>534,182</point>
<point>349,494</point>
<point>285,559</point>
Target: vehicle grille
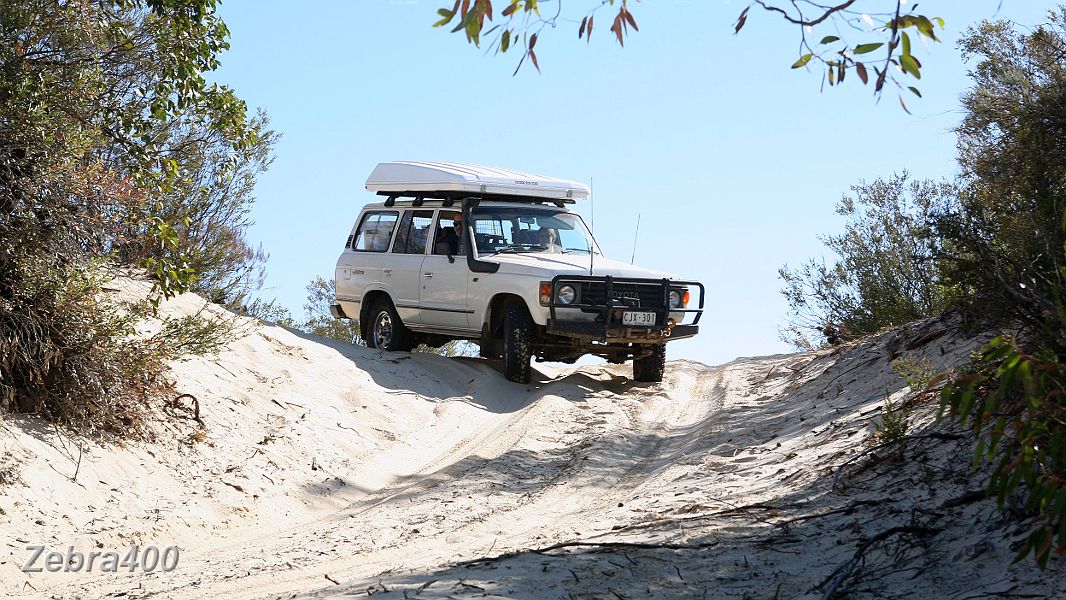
<point>633,294</point>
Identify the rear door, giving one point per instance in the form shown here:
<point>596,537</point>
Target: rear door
<point>402,275</point>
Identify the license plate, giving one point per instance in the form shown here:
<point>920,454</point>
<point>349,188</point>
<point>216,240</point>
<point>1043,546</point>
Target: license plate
<point>641,319</point>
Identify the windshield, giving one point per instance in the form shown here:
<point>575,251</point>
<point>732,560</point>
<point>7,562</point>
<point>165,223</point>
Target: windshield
<point>520,229</point>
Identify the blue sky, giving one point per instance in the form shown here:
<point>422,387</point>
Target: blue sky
<point>732,160</point>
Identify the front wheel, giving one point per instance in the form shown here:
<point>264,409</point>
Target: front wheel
<point>651,368</point>
<point>387,331</point>
<point>517,343</point>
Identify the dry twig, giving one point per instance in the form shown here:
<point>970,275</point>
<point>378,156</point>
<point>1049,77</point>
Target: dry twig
<point>843,571</point>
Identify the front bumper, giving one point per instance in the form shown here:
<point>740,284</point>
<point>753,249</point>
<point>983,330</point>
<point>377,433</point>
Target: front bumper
<point>602,332</point>
<point>607,327</point>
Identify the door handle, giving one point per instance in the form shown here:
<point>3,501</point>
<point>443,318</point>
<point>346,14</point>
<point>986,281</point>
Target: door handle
<point>427,274</point>
<point>387,271</point>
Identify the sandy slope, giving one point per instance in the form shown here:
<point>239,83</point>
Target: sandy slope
<point>421,476</point>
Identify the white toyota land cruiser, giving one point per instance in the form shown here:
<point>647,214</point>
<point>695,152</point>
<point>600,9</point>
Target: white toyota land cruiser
<point>492,255</point>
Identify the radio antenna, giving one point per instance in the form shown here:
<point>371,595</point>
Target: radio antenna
<point>635,234</point>
<point>592,257</point>
<point>592,242</point>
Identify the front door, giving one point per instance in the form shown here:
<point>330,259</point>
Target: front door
<point>444,281</point>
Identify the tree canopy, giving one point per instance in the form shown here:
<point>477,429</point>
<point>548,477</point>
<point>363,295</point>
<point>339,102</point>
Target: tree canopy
<point>871,39</point>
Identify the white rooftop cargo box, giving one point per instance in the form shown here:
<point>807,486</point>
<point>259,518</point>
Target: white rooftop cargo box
<point>416,176</point>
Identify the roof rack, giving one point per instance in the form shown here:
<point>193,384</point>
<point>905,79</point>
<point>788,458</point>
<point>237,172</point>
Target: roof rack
<point>449,198</point>
<point>450,181</point>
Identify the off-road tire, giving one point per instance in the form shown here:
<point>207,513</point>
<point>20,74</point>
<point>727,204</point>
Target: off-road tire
<point>386,330</point>
<point>517,343</point>
<point>650,369</point>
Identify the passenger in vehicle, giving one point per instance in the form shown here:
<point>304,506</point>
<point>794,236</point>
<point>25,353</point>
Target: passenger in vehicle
<point>421,233</point>
<point>378,240</point>
<point>549,239</point>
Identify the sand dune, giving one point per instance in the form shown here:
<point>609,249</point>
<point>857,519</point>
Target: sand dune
<point>333,471</point>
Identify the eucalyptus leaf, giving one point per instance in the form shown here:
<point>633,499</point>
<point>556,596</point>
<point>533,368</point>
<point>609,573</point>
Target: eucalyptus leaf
<point>866,48</point>
<point>802,61</point>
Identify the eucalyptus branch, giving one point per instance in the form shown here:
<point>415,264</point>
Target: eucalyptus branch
<point>830,11</point>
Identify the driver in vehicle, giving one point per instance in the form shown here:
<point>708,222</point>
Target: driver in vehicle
<point>450,239</point>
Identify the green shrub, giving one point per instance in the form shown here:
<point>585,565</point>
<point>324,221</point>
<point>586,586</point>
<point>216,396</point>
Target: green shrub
<point>895,421</point>
<point>321,294</point>
<point>270,311</point>
<point>71,353</point>
<point>917,372</point>
<point>1016,402</point>
<point>196,334</point>
<point>61,354</point>
<point>1005,243</point>
<point>887,273</point>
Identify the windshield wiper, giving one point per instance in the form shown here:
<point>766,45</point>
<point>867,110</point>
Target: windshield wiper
<point>510,249</point>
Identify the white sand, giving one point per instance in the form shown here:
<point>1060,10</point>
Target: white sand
<point>326,463</point>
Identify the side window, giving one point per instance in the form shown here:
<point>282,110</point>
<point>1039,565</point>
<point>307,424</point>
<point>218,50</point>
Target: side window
<point>375,232</point>
<point>414,232</point>
<point>447,238</point>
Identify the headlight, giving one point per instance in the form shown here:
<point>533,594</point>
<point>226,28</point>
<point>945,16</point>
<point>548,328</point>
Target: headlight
<point>679,298</point>
<point>567,294</point>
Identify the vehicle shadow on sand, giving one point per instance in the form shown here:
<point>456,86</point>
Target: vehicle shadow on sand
<point>474,380</point>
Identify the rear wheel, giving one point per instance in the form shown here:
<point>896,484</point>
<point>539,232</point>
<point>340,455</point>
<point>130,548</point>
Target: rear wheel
<point>517,343</point>
<point>651,368</point>
<point>387,331</point>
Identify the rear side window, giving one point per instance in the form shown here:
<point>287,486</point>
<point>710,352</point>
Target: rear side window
<point>414,232</point>
<point>375,232</point>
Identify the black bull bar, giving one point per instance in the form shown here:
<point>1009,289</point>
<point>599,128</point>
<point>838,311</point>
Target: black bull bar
<point>621,295</point>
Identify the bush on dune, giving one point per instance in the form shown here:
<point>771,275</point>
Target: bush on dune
<point>114,150</point>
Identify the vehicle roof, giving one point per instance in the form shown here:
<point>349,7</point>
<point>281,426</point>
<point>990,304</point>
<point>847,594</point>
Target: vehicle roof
<point>421,178</point>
